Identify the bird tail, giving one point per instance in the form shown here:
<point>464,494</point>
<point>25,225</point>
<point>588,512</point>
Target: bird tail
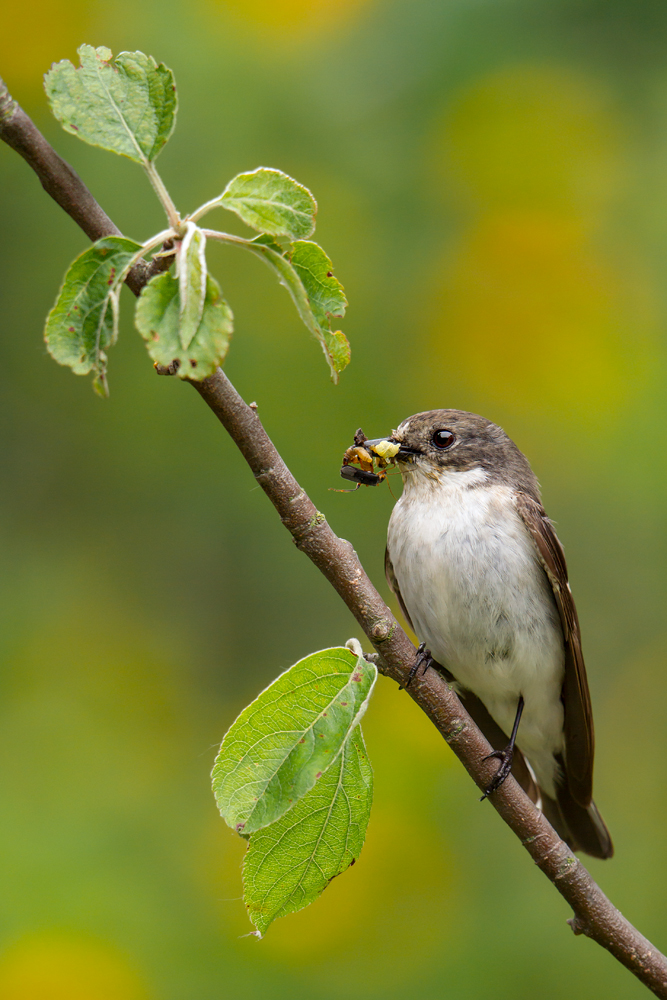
<point>581,827</point>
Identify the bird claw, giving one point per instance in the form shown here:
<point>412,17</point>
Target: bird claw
<point>505,757</point>
<point>423,656</point>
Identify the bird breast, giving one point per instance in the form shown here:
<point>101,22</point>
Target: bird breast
<point>469,577</point>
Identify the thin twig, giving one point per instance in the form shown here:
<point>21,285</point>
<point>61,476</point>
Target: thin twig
<point>64,184</point>
<point>594,914</point>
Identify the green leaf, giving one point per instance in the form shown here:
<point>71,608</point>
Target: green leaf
<point>126,105</point>
<point>157,320</point>
<point>283,743</point>
<point>317,295</point>
<point>337,349</point>
<point>291,862</point>
<point>324,292</point>
<point>325,296</point>
<point>191,282</point>
<point>271,202</point>
<point>83,322</point>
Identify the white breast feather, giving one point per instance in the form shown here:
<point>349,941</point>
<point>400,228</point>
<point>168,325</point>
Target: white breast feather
<point>470,579</point>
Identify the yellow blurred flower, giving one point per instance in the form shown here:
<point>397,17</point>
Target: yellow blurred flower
<point>532,316</point>
<point>292,18</point>
<point>531,137</point>
<point>529,307</point>
<point>36,34</point>
<point>59,967</point>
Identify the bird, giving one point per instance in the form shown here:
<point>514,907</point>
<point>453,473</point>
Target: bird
<point>481,578</point>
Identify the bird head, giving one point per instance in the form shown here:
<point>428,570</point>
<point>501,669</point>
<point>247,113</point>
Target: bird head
<point>445,445</point>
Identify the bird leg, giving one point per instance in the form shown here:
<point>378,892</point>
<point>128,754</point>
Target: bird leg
<point>504,756</point>
<point>423,656</point>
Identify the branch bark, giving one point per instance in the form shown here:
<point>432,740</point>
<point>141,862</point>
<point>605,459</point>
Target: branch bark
<point>593,914</point>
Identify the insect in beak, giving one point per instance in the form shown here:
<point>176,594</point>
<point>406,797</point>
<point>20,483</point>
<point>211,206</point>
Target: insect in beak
<point>365,462</point>
<point>389,449</point>
<point>384,448</point>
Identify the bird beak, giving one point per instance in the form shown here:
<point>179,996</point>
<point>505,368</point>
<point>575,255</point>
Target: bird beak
<point>389,448</point>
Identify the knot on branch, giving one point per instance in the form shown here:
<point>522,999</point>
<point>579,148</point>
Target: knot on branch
<point>382,630</point>
<point>317,518</point>
<point>8,105</point>
<point>579,925</point>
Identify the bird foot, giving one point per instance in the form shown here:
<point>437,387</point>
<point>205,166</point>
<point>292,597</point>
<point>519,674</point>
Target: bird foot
<point>505,757</point>
<point>422,657</point>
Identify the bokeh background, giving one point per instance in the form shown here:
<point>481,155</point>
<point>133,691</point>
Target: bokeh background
<point>492,182</point>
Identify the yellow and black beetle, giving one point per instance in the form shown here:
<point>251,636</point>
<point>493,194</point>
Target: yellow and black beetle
<point>360,460</point>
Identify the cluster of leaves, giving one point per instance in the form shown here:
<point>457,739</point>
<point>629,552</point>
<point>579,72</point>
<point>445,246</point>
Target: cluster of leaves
<point>293,778</point>
<point>128,105</point>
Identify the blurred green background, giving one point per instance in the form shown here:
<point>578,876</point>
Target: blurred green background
<point>492,183</point>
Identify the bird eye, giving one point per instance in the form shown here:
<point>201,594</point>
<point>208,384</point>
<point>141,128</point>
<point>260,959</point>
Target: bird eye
<point>443,439</point>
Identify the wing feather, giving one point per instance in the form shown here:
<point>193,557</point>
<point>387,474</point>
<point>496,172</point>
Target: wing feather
<point>579,736</point>
<point>393,586</point>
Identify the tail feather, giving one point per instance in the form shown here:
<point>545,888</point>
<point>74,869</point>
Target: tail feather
<point>582,828</point>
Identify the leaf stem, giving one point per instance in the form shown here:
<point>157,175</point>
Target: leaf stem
<point>203,209</point>
<point>165,198</point>
<point>213,234</point>
<point>289,279</point>
<point>154,241</point>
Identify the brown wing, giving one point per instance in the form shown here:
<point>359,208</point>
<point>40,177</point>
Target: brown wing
<point>476,709</point>
<point>579,739</point>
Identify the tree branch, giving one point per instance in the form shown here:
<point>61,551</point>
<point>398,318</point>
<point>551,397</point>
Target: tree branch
<point>594,914</point>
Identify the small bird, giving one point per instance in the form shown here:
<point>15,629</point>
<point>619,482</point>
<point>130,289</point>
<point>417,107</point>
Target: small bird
<point>481,578</point>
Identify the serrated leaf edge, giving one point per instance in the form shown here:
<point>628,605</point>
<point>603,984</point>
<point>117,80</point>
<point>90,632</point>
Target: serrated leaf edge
<point>347,745</point>
<point>224,201</point>
<point>353,724</point>
<point>144,160</point>
<point>105,301</point>
<point>289,279</point>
